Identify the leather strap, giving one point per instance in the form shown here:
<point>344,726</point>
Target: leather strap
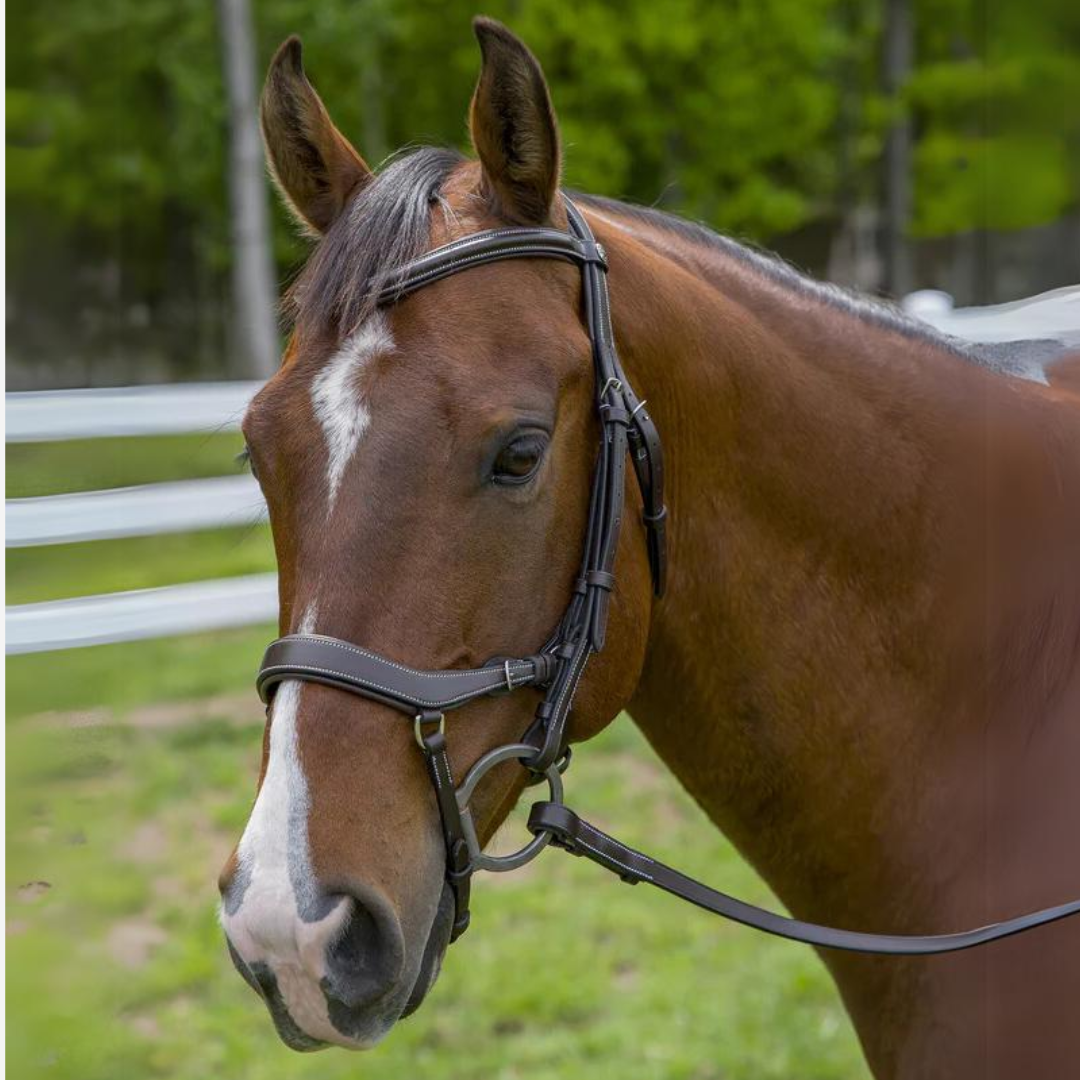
<point>321,659</point>
<point>458,871</point>
<point>572,834</point>
<point>485,247</point>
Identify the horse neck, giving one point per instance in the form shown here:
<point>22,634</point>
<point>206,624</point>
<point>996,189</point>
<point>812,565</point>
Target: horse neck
<point>817,669</point>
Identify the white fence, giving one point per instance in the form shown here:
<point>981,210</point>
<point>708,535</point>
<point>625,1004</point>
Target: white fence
<point>135,511</point>
<point>224,501</point>
<point>142,613</point>
<point>1053,315</point>
<point>130,410</point>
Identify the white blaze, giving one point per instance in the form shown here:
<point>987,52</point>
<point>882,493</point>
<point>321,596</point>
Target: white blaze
<point>338,400</point>
<point>267,927</point>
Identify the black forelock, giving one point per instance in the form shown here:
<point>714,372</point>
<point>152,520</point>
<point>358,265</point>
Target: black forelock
<point>385,226</point>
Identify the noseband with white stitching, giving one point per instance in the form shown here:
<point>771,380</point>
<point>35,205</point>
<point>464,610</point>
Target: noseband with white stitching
<point>557,668</point>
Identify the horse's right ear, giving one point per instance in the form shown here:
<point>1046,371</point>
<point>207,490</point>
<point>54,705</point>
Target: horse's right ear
<point>314,166</point>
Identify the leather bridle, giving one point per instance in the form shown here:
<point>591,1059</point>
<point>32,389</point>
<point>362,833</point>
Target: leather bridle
<point>556,669</point>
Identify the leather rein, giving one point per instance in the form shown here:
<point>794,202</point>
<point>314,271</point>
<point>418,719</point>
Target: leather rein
<point>556,669</point>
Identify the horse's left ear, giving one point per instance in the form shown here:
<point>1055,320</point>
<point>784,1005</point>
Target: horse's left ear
<point>513,127</point>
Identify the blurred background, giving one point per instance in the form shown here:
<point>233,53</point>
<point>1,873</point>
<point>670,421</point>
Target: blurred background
<point>888,144</point>
<point>891,145</point>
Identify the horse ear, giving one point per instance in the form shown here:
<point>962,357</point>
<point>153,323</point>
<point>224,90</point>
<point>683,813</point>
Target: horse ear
<point>314,166</point>
<point>513,127</point>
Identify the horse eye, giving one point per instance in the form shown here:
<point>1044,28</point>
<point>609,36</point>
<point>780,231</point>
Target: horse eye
<point>518,460</point>
<point>243,459</point>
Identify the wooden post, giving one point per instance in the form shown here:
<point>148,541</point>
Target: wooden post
<point>253,330</point>
<point>896,217</point>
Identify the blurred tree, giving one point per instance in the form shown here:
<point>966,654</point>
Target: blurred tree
<point>758,119</point>
<point>254,332</point>
<point>994,97</point>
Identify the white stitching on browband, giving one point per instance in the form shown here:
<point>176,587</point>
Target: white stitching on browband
<point>491,234</point>
<point>481,238</point>
<point>405,283</point>
<point>395,694</point>
<point>401,667</point>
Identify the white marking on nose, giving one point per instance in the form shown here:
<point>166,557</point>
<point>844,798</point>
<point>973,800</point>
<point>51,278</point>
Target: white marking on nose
<point>338,400</point>
<point>264,925</point>
<point>269,926</point>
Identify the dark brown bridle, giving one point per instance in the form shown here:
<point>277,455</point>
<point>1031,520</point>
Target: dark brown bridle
<point>559,665</point>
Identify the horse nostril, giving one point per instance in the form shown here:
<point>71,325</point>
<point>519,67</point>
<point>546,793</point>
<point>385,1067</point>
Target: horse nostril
<point>364,960</point>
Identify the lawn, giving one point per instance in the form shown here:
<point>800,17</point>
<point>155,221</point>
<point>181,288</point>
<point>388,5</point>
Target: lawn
<point>131,769</point>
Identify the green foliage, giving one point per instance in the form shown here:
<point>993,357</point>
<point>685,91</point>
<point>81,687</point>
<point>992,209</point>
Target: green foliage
<point>754,118</point>
<point>999,147</point>
<point>115,112</point>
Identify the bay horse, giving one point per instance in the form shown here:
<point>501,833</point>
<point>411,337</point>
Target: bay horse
<point>866,663</point>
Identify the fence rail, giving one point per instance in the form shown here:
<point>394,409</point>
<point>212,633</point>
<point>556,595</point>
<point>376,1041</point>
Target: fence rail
<point>44,416</point>
<point>1053,315</point>
<point>198,504</point>
<point>183,506</point>
<point>143,613</point>
<point>147,510</point>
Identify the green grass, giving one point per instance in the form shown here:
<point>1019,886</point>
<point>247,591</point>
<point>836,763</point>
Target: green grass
<point>131,770</point>
<point>140,562</point>
<point>136,673</point>
<point>117,967</point>
<point>90,464</point>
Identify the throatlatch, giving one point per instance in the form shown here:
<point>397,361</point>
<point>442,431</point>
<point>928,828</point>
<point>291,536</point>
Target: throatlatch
<point>557,668</point>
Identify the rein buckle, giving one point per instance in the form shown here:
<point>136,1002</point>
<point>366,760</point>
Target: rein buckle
<point>423,718</point>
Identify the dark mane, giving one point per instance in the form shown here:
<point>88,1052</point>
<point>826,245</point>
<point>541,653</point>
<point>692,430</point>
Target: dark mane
<point>386,225</point>
<point>776,269</point>
<point>1023,359</point>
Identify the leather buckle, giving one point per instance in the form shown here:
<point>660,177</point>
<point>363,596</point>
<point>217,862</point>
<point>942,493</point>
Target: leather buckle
<point>423,718</point>
<point>593,252</point>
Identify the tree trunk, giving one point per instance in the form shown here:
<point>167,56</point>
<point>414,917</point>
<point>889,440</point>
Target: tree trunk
<point>899,38</point>
<point>254,336</point>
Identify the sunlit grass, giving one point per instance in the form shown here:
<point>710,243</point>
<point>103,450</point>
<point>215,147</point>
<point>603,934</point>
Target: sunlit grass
<point>139,562</point>
<point>116,965</point>
<point>90,464</point>
<point>136,673</point>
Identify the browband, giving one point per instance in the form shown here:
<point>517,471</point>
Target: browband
<point>328,660</point>
<point>492,245</point>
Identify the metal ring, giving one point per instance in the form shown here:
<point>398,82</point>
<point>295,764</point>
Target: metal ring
<point>418,723</point>
<point>638,407</point>
<point>509,678</point>
<point>501,863</point>
<point>611,384</point>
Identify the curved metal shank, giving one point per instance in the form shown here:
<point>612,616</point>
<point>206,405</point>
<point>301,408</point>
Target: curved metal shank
<point>501,863</point>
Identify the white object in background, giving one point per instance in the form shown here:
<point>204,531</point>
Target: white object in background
<point>43,416</point>
<point>144,613</point>
<point>218,502</point>
<point>926,303</point>
<point>1051,316</point>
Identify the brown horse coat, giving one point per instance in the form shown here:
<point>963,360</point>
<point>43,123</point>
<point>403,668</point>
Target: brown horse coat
<point>866,667</point>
